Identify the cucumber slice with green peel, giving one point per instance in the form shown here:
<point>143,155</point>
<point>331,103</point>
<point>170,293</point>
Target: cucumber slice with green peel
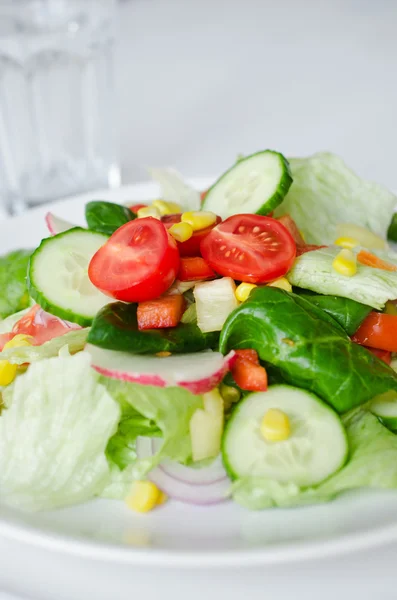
<point>385,408</point>
<point>58,276</point>
<point>316,448</point>
<point>255,184</point>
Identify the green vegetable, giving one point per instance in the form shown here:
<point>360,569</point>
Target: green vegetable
<point>372,464</point>
<point>326,192</point>
<point>190,314</point>
<point>307,347</point>
<point>348,313</point>
<point>54,433</point>
<point>115,327</point>
<point>392,231</point>
<point>373,287</point>
<point>13,290</point>
<point>385,408</point>
<point>168,409</point>
<point>74,340</point>
<point>7,324</point>
<point>106,217</point>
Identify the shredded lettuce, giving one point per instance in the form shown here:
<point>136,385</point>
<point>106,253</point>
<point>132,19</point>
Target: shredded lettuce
<point>54,433</point>
<point>374,287</point>
<point>7,324</point>
<point>325,192</point>
<point>13,290</point>
<point>372,464</point>
<point>74,340</point>
<point>175,189</point>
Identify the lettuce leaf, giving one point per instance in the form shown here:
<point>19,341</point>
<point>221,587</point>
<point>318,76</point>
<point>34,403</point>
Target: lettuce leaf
<point>372,464</point>
<point>169,409</point>
<point>374,287</point>
<point>13,291</point>
<point>54,433</point>
<point>74,340</point>
<point>173,188</point>
<point>325,192</point>
<point>7,324</point>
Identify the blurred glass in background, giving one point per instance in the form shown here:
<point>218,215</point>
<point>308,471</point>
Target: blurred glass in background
<point>57,125</point>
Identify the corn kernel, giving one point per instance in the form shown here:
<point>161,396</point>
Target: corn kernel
<point>163,354</point>
<point>144,496</point>
<point>199,219</point>
<point>18,341</point>
<point>181,231</point>
<point>275,426</point>
<point>347,242</point>
<point>345,263</point>
<point>148,211</point>
<point>281,283</point>
<point>364,236</point>
<point>8,372</point>
<point>162,499</point>
<point>166,208</point>
<point>243,291</point>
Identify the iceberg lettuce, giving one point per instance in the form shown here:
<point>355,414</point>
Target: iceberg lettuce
<point>74,340</point>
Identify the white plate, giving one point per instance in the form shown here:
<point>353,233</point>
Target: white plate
<point>178,535</point>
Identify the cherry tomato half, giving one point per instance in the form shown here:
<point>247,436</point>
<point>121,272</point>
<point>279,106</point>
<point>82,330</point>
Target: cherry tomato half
<point>139,262</point>
<point>249,248</point>
<point>378,330</point>
<point>192,246</point>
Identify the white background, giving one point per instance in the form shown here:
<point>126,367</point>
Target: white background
<point>199,81</point>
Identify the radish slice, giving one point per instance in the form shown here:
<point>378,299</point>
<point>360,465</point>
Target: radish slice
<point>198,372</point>
<point>208,485</point>
<point>56,224</point>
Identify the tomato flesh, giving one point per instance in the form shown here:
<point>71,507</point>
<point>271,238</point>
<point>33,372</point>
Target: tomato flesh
<point>247,371</point>
<point>379,331</point>
<point>192,246</point>
<point>249,248</point>
<point>194,268</point>
<point>139,262</point>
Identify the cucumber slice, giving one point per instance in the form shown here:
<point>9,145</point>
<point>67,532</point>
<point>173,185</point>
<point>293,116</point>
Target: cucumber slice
<point>385,408</point>
<point>58,278</point>
<point>255,184</point>
<point>316,448</point>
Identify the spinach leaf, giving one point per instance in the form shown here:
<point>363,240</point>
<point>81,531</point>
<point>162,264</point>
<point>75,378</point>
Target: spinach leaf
<point>115,327</point>
<point>13,291</point>
<point>348,313</point>
<point>307,347</point>
<point>392,231</point>
<point>106,217</point>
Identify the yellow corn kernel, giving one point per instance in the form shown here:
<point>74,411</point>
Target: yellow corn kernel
<point>181,231</point>
<point>162,499</point>
<point>229,394</point>
<point>148,211</point>
<point>167,208</point>
<point>347,242</point>
<point>8,372</point>
<point>243,291</point>
<point>163,354</point>
<point>18,341</point>
<point>281,283</point>
<point>275,426</point>
<point>345,263</point>
<point>199,219</point>
<point>144,496</point>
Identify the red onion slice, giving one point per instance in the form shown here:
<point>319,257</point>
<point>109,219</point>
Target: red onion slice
<point>209,485</point>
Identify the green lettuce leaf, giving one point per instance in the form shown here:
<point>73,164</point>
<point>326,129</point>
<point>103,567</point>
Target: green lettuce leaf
<point>373,287</point>
<point>13,291</point>
<point>6,325</point>
<point>325,192</point>
<point>54,433</point>
<point>74,340</point>
<point>169,409</point>
<point>372,464</point>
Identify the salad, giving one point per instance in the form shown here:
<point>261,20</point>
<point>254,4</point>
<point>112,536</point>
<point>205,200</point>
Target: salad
<point>236,344</point>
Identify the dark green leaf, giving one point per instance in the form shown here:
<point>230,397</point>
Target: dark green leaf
<point>392,231</point>
<point>116,328</point>
<point>13,291</point>
<point>106,217</point>
<point>307,347</point>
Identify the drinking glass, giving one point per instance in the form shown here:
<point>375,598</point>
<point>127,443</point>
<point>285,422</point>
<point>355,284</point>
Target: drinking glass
<point>57,129</point>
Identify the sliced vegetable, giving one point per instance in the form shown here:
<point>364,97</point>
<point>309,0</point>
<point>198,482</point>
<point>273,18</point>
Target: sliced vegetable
<point>392,230</point>
<point>293,229</point>
<point>371,260</point>
<point>379,331</point>
<point>13,291</point>
<point>139,262</point>
<point>42,326</point>
<point>307,348</point>
<point>106,217</point>
<point>198,372</point>
<point>199,219</point>
<point>135,207</point>
<point>191,246</point>
<point>362,235</point>
<point>249,248</point>
<point>206,427</point>
<point>190,314</point>
<point>385,408</point>
<point>162,312</point>
<point>116,327</point>
<point>304,458</point>
<point>215,300</point>
<point>194,268</point>
<point>248,373</point>
<point>175,189</point>
<point>56,224</point>
<point>255,184</point>
<point>57,277</point>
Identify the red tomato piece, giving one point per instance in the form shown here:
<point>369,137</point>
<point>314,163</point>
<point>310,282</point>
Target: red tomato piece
<point>192,246</point>
<point>292,227</point>
<point>135,207</point>
<point>379,331</point>
<point>248,373</point>
<point>249,248</point>
<point>382,354</point>
<point>42,326</point>
<point>194,268</point>
<point>248,354</point>
<point>160,313</point>
<point>139,262</point>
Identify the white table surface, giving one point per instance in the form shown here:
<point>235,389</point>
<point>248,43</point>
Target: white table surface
<point>199,81</point>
